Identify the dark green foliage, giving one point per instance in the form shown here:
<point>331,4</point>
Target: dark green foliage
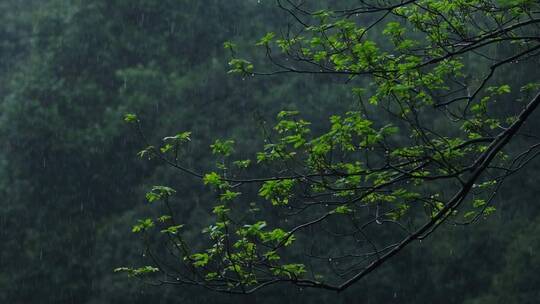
<point>73,186</point>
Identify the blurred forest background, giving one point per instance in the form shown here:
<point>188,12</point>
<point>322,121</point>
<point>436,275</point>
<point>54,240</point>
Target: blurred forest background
<point>71,185</point>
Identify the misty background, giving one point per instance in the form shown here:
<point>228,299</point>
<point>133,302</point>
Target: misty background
<point>72,186</point>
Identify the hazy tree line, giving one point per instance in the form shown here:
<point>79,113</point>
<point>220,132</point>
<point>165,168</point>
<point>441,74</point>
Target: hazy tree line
<point>72,185</point>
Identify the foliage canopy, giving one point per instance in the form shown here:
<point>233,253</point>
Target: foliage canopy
<point>426,146</point>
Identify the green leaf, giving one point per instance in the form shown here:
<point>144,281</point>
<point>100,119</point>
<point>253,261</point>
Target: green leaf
<point>220,210</point>
<point>164,218</point>
<point>478,203</point>
<point>277,191</point>
<point>285,114</point>
<point>172,229</point>
<point>223,147</point>
<point>229,45</point>
<point>240,66</point>
<point>470,214</point>
<point>148,152</point>
<point>489,210</point>
<point>200,259</point>
<point>229,195</point>
<point>134,272</point>
<point>342,210</point>
<point>143,225</point>
<point>266,39</point>
<point>130,118</point>
<point>179,138</point>
<point>212,178</point>
<point>242,163</point>
<point>291,270</point>
<point>159,192</point>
